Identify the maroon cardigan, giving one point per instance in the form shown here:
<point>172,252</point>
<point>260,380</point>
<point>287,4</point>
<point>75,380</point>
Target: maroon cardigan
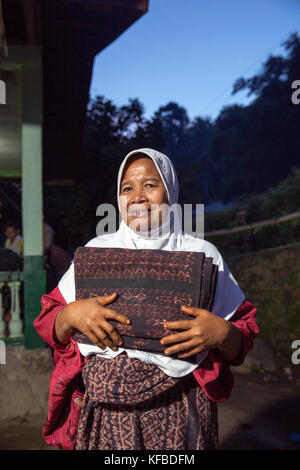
<point>59,430</point>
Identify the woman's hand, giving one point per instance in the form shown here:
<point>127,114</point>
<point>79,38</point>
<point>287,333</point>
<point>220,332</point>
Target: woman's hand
<point>90,317</point>
<point>205,331</point>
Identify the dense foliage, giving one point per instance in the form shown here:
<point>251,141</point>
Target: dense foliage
<point>278,201</point>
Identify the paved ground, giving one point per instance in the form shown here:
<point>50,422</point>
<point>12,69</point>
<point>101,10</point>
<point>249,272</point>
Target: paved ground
<point>259,415</point>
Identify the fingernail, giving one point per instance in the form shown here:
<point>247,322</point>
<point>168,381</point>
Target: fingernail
<point>162,341</point>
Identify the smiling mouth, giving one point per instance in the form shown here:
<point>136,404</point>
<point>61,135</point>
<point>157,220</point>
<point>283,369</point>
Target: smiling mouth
<point>139,214</point>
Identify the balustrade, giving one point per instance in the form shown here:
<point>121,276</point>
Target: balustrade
<point>11,322</point>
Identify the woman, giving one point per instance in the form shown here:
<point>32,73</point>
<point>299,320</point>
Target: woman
<point>185,415</point>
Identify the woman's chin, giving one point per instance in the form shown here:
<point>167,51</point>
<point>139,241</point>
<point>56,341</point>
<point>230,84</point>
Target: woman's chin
<point>142,224</point>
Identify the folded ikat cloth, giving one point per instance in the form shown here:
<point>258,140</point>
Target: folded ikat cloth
<point>152,285</point>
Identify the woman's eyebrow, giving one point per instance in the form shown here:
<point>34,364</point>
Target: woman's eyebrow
<point>151,178</point>
<point>125,182</point>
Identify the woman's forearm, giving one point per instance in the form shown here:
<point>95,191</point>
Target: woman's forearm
<point>63,327</point>
<point>231,345</point>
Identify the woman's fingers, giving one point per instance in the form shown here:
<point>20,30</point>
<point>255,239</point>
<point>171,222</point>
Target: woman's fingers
<point>177,338</point>
<point>180,347</point>
<point>178,325</point>
<point>95,322</point>
<point>110,313</point>
<point>190,310</point>
<point>107,299</point>
<point>112,332</point>
<point>190,352</point>
<point>196,312</point>
<point>104,337</point>
<point>112,336</point>
<point>95,339</point>
<point>113,315</point>
<point>100,338</point>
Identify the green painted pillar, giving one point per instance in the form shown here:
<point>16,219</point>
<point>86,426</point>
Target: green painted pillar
<point>34,275</point>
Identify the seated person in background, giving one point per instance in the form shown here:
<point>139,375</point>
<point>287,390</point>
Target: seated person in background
<point>14,241</point>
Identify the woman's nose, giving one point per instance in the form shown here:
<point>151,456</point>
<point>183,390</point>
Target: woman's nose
<point>139,195</point>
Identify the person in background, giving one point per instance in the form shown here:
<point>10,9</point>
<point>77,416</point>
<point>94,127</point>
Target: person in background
<point>48,235</point>
<point>56,260</point>
<point>14,240</point>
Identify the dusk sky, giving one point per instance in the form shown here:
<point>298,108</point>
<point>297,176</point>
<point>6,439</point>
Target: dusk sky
<point>192,51</point>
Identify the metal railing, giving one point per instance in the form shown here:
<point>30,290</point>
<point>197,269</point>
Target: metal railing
<point>11,321</point>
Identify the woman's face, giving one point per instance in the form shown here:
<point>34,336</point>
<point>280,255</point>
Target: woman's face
<point>141,186</point>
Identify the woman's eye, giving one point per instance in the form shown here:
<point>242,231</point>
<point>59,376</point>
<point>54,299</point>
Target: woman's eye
<point>126,189</point>
<point>150,184</point>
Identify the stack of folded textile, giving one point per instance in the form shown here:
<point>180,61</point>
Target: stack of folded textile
<point>152,285</point>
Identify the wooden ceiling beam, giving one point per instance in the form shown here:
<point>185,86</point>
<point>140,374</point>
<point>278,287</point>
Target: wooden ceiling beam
<point>105,6</point>
<point>32,21</point>
<point>3,43</point>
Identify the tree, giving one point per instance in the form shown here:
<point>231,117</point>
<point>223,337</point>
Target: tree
<point>174,122</point>
<point>254,147</point>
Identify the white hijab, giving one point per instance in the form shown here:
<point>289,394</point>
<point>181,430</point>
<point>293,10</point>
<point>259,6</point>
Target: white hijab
<point>228,296</point>
<point>171,239</point>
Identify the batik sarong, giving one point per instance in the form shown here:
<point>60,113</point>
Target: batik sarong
<point>131,405</point>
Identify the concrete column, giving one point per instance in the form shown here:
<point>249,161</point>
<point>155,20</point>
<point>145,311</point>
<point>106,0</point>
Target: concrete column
<point>32,195</point>
<point>27,60</point>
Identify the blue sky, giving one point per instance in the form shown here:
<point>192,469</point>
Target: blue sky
<point>192,51</point>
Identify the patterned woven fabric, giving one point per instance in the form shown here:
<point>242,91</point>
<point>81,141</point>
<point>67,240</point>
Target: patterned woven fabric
<point>130,405</point>
<point>123,380</point>
<point>152,285</point>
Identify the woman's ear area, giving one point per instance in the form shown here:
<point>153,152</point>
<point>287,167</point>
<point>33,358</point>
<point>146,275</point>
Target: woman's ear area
<point>166,199</point>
